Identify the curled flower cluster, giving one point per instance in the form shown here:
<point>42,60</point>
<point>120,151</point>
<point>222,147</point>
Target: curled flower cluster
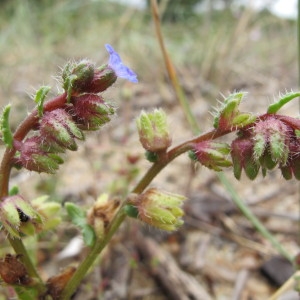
<point>272,140</point>
<point>84,110</point>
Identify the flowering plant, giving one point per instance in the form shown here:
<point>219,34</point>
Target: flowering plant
<point>54,127</point>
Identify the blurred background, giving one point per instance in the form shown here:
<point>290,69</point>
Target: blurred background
<point>217,47</point>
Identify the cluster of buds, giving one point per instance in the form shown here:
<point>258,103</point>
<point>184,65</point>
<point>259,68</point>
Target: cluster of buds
<point>84,110</point>
<point>272,140</point>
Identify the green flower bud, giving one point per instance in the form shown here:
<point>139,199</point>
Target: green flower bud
<point>18,216</point>
<point>76,77</point>
<point>49,211</point>
<point>159,209</point>
<point>153,131</point>
<point>229,116</point>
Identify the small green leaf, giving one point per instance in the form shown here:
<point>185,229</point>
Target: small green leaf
<point>40,97</point>
<point>77,215</point>
<point>7,135</point>
<point>88,234</point>
<point>273,108</point>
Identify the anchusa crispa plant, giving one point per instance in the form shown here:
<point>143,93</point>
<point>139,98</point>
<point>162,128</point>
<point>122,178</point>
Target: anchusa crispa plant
<point>56,125</point>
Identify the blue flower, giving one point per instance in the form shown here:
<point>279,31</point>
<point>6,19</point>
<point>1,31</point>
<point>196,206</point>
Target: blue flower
<point>115,63</point>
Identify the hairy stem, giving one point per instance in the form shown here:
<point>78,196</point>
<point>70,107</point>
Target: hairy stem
<point>20,133</point>
<point>5,168</point>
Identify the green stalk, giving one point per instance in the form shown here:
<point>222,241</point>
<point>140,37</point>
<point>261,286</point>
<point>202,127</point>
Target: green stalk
<point>99,245</point>
<point>252,218</point>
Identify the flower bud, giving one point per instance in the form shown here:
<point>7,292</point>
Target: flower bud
<point>271,135</point>
<point>58,128</point>
<point>212,155</point>
<point>18,216</point>
<point>103,78</point>
<point>82,77</point>
<point>159,209</point>
<point>228,115</point>
<point>76,77</point>
<point>49,211</point>
<point>242,157</point>
<point>33,158</point>
<point>153,130</point>
<point>292,166</point>
<point>90,112</point>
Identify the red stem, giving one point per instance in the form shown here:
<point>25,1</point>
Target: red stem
<point>172,154</point>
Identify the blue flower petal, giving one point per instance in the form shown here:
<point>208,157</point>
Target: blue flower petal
<point>116,64</point>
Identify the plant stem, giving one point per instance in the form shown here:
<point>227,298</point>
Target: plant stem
<point>19,248</point>
<point>5,169</point>
<point>83,268</point>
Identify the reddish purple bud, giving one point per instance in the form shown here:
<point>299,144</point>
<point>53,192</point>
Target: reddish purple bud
<point>292,167</point>
<point>90,111</point>
<point>33,158</point>
<point>212,155</point>
<point>103,78</point>
<point>273,136</point>
<point>57,127</point>
<point>242,157</point>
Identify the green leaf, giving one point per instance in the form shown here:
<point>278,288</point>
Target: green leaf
<point>40,97</point>
<point>7,135</point>
<point>77,215</point>
<point>89,235</point>
<point>273,108</point>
